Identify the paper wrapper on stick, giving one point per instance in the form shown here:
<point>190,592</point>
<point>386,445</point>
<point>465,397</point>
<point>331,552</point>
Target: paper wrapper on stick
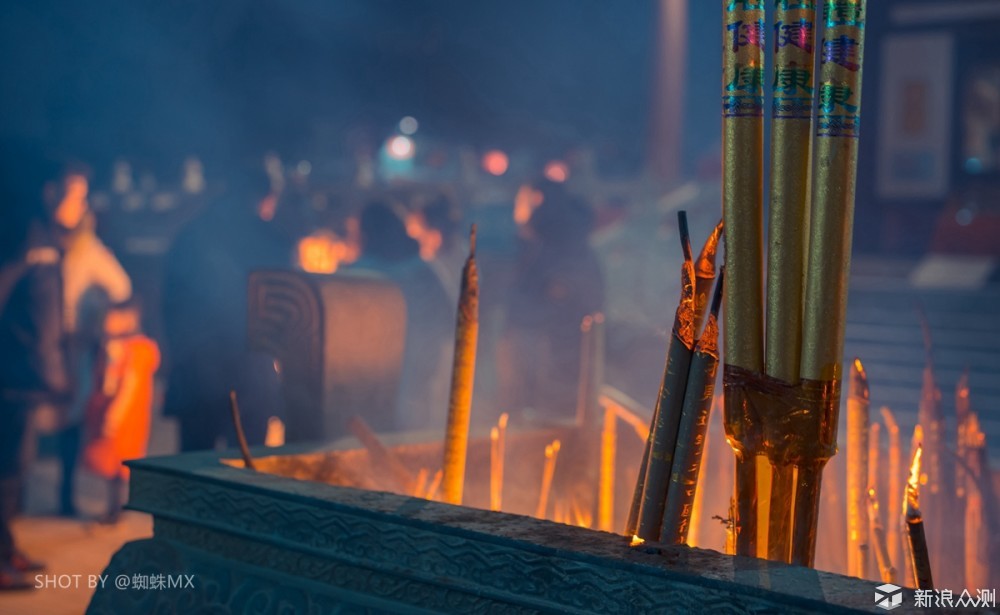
<point>693,430</point>
<point>667,414</point>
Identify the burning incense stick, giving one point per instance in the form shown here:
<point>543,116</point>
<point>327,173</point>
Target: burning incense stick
<point>670,400</point>
<point>381,456</point>
<point>693,428</point>
<point>606,481</point>
<point>920,563</point>
<point>462,376</point>
<point>830,233</point>
<point>502,455</point>
<point>742,207</point>
<point>978,534</point>
<point>874,456</point>
<point>962,411</point>
<point>895,483</point>
<point>704,277</point>
<point>494,469</point>
<point>585,386</point>
<point>874,483</point>
<point>857,472</point>
<point>435,486</point>
<point>420,484</point>
<point>241,437</point>
<point>551,454</point>
<point>886,572</point>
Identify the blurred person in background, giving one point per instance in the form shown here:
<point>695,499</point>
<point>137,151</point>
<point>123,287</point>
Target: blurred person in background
<point>388,250</point>
<point>32,362</point>
<point>558,281</point>
<point>92,279</point>
<point>205,313</point>
<point>120,407</point>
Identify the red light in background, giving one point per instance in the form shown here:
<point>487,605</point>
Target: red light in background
<point>495,162</point>
<point>557,171</point>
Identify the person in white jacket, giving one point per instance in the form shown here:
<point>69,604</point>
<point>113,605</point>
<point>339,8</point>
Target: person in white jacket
<point>93,279</point>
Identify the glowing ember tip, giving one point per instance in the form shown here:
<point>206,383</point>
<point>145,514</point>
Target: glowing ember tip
<point>636,541</point>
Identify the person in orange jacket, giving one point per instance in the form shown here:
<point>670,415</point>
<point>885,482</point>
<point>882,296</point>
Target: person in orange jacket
<point>120,411</point>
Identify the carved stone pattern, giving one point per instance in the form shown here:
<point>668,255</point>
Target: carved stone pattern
<point>408,554</point>
<point>284,320</point>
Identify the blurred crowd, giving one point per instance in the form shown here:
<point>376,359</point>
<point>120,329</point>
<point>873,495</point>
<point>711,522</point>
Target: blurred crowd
<point>75,344</point>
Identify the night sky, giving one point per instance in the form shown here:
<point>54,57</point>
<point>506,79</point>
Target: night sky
<point>158,80</point>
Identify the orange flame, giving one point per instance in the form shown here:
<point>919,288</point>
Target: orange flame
<point>913,485</point>
<point>636,541</point>
<point>323,252</point>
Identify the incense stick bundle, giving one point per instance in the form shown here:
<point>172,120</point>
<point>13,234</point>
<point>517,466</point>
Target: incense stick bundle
<point>920,563</point>
<point>548,471</point>
<point>742,207</point>
<point>830,232</point>
<point>886,571</point>
<point>857,472</point>
<point>606,478</point>
<point>790,171</point>
<point>463,372</point>
<point>895,483</point>
<point>693,428</point>
<point>663,433</point>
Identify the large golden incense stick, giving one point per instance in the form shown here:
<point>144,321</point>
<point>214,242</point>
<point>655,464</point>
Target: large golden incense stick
<point>742,207</point>
<point>606,478</point>
<point>857,472</point>
<point>670,400</point>
<point>548,471</point>
<point>463,373</point>
<point>920,563</point>
<point>885,569</point>
<point>829,262</point>
<point>895,484</point>
<point>788,211</point>
<point>704,277</point>
<point>693,428</point>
